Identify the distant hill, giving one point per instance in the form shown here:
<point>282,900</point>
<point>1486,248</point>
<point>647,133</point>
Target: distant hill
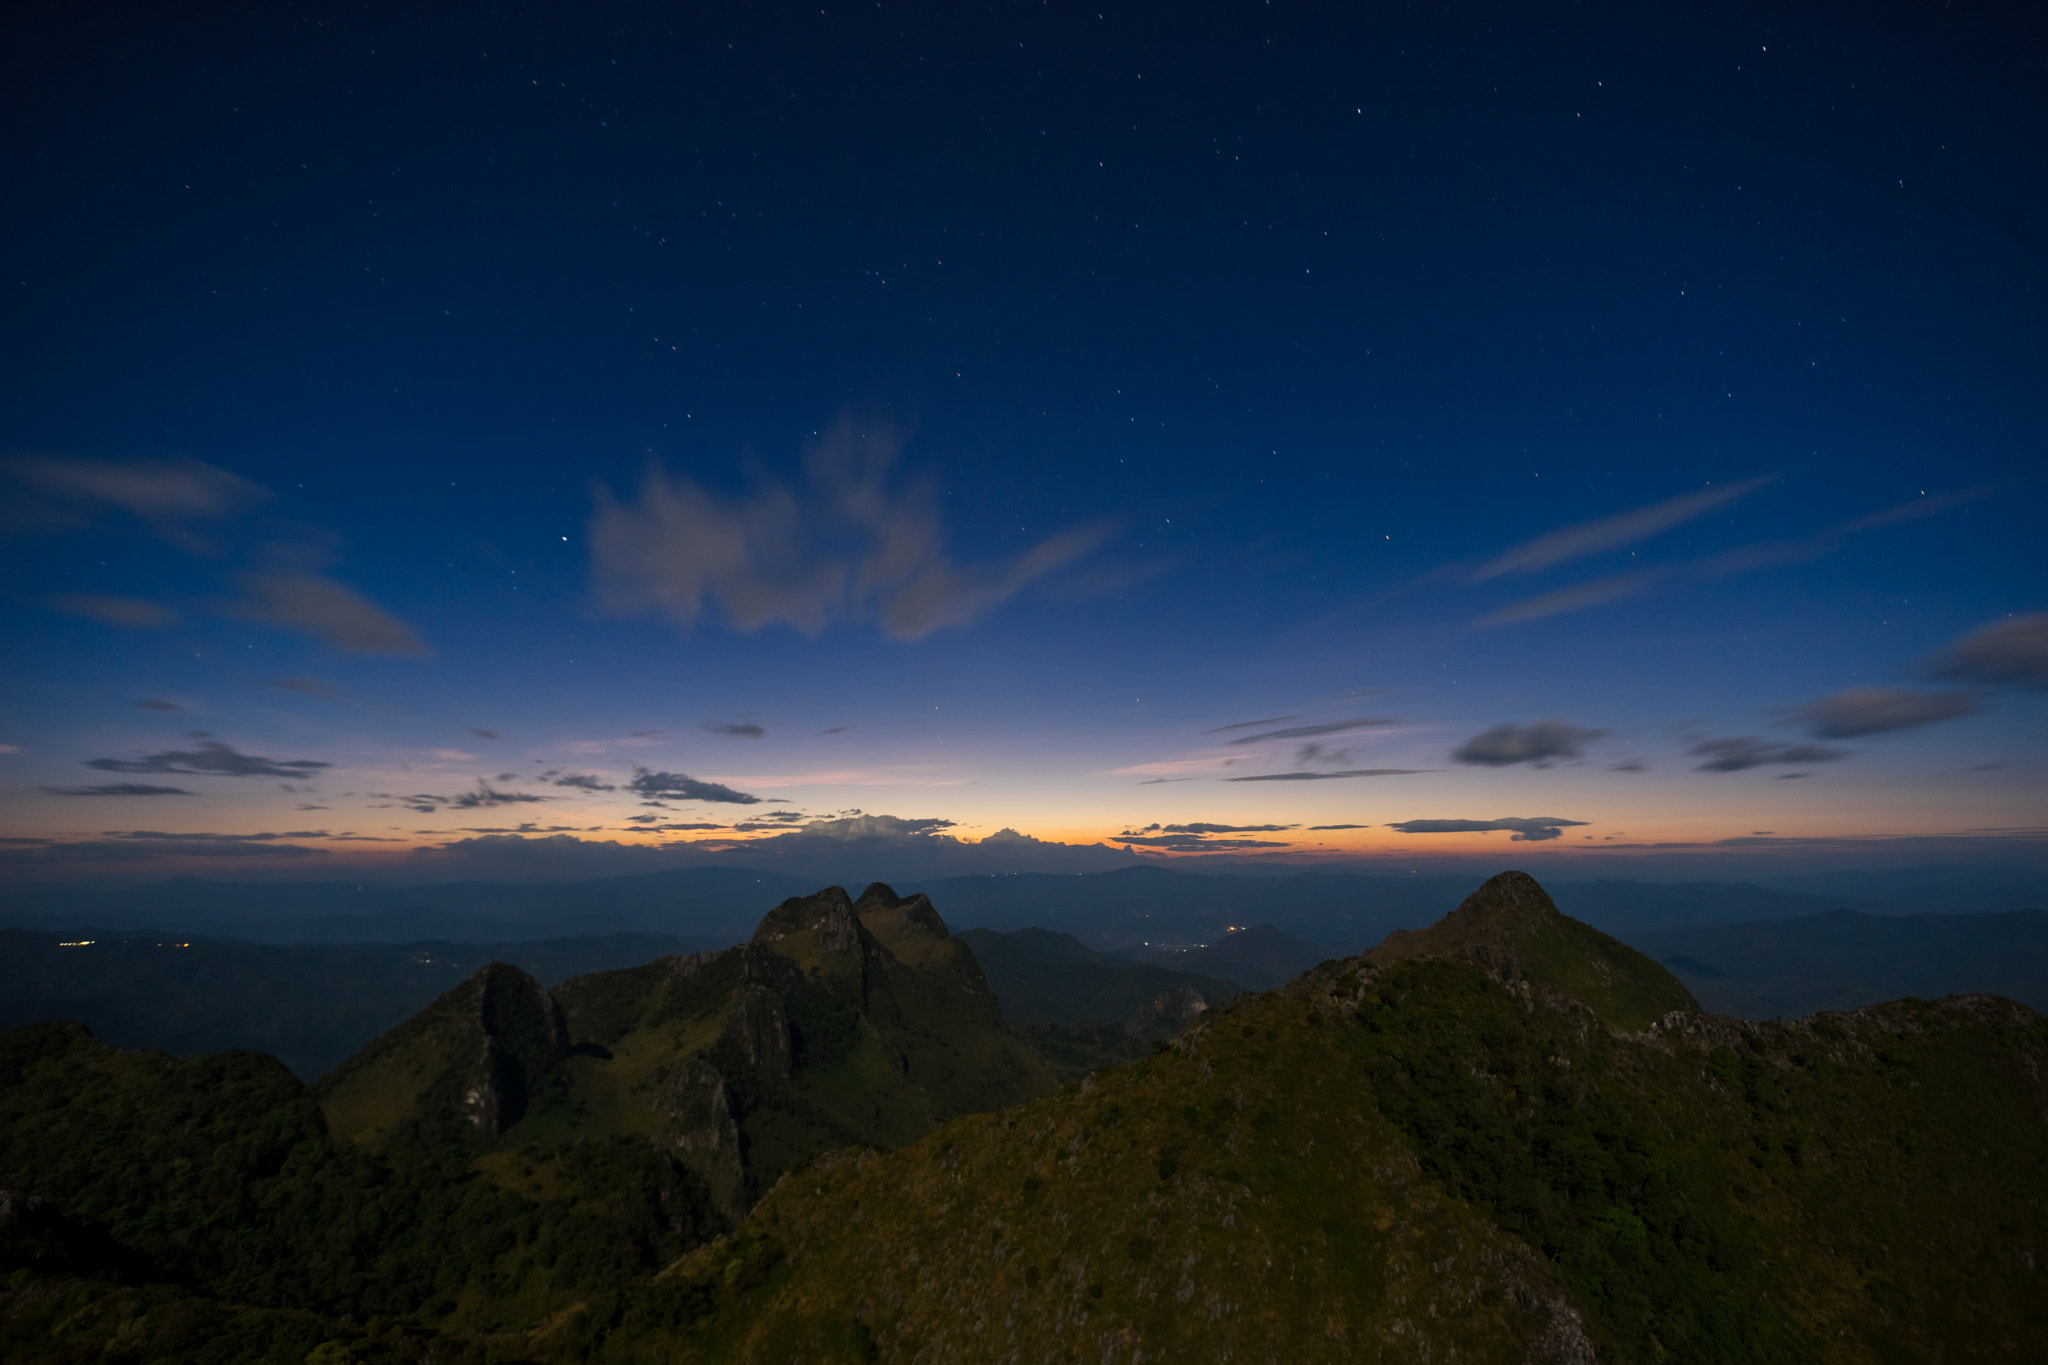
<point>310,1006</point>
<point>1044,977</point>
<point>1117,912</point>
<point>702,905</point>
<point>1112,911</point>
<point>1844,960</point>
<point>1942,888</point>
<point>1080,1009</point>
<point>1261,956</point>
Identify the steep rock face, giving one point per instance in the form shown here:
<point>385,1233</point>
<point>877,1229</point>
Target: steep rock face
<point>469,1066</point>
<point>827,915</point>
<point>1511,927</point>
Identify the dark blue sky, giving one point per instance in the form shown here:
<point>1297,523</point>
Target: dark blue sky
<point>1664,387</point>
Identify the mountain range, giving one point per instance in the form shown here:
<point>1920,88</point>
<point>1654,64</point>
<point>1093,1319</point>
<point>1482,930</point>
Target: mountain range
<point>1506,1135</point>
<point>1119,911</point>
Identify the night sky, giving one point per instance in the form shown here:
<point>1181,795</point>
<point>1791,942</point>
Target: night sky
<point>559,440</point>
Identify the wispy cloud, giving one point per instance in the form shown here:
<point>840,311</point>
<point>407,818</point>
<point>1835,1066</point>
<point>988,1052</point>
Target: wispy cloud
<point>146,845</point>
<point>683,787</point>
<point>1575,598</point>
<point>136,613</point>
<point>119,789</point>
<point>1334,727</point>
<point>1326,777</point>
<point>311,687</point>
<point>2008,653</point>
<point>1881,710</point>
<point>1824,542</point>
<point>775,557</point>
<point>483,797</point>
<point>161,491</point>
<point>1740,559</point>
<point>1249,724</point>
<point>1543,742</point>
<point>735,729</point>
<point>1740,752</point>
<point>1526,828</point>
<point>315,604</point>
<point>211,758</point>
<point>589,782</point>
<point>1202,838</point>
<point>1611,533</point>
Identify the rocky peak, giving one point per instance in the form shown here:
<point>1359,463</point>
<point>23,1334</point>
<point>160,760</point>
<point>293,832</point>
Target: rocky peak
<point>1511,928</point>
<point>913,912</point>
<point>523,1037</point>
<point>829,913</point>
<point>1489,927</point>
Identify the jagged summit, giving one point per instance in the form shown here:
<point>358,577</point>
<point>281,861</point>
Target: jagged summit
<point>1511,927</point>
<point>837,1023</point>
<point>829,912</point>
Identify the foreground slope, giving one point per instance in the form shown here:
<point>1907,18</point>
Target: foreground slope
<point>1408,1156</point>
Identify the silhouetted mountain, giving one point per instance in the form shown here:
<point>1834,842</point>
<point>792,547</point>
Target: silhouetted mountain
<point>1844,960</point>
